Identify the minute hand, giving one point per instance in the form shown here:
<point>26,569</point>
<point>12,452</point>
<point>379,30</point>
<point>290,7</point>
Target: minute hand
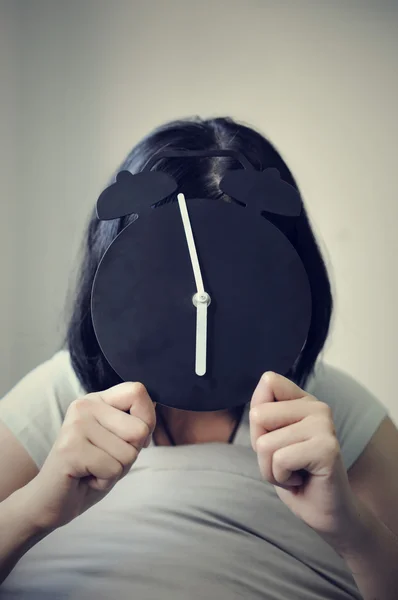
<point>201,299</point>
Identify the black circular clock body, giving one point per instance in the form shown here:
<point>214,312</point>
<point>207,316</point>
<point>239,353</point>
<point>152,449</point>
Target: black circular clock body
<point>145,320</point>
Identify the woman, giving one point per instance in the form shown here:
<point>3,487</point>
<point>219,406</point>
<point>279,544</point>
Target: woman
<point>214,505</point>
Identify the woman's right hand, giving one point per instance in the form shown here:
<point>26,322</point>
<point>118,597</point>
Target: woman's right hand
<point>99,441</point>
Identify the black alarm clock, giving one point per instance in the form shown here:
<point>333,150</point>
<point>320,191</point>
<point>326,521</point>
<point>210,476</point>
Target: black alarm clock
<point>197,298</point>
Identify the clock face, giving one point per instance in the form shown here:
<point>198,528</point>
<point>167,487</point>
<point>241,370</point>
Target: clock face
<point>145,320</point>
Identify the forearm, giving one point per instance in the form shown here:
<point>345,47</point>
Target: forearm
<point>370,551</point>
<point>18,532</point>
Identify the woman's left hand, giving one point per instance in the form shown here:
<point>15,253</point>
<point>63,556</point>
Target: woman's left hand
<point>294,436</point>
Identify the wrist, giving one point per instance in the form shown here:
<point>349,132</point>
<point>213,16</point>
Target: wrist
<point>21,511</point>
<point>358,532</point>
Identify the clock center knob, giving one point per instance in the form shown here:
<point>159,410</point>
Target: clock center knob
<point>201,298</point>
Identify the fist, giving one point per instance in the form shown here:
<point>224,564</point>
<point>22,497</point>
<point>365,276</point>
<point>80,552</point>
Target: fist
<point>298,452</point>
<point>99,441</point>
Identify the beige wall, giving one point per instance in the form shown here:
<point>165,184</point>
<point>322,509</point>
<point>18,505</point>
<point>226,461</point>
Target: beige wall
<point>83,80</point>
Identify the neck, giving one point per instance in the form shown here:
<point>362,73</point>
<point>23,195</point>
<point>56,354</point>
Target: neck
<point>190,427</point>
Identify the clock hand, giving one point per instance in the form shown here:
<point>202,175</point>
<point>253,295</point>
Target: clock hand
<point>191,244</point>
<point>201,299</point>
<point>201,304</point>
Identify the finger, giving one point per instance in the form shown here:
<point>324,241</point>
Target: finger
<point>127,427</point>
<point>122,395</point>
<point>276,415</point>
<point>281,387</point>
<point>268,444</point>
<point>271,387</point>
<point>262,394</point>
<point>134,398</point>
<point>263,391</point>
<point>122,451</point>
<point>87,459</point>
<point>148,441</point>
<point>101,485</point>
<point>316,455</point>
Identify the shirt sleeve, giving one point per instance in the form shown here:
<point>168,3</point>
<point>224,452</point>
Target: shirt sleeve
<point>357,413</point>
<point>34,409</point>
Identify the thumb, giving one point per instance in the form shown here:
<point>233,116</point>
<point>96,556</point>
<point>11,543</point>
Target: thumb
<point>273,387</point>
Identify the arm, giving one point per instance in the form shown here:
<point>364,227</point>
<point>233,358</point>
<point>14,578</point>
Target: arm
<point>372,554</point>
<point>37,404</point>
<point>18,530</point>
<point>18,468</point>
<point>18,533</point>
<point>370,550</point>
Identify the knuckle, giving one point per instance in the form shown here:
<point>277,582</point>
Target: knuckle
<point>152,422</point>
<point>267,475</point>
<point>325,409</point>
<point>139,433</point>
<point>129,457</point>
<point>142,430</point>
<point>76,405</point>
<point>328,445</point>
<point>127,467</point>
<point>116,471</point>
<point>263,444</point>
<point>266,465</point>
<point>136,388</point>
<point>332,445</point>
<point>330,428</point>
<point>254,414</point>
<point>323,418</point>
<point>279,458</point>
<point>268,376</point>
<point>80,406</point>
<point>104,485</point>
<point>92,396</point>
<point>317,421</point>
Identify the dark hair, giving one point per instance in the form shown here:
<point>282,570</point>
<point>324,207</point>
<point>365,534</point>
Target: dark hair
<point>199,178</point>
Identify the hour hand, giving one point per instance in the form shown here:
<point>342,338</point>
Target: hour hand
<point>201,299</point>
<point>201,302</point>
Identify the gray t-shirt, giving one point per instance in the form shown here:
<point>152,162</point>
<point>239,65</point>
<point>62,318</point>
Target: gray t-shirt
<point>192,522</point>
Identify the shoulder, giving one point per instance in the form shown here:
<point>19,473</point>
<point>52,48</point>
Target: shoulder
<point>34,409</point>
<point>53,377</point>
<point>61,372</point>
<point>357,412</point>
<point>335,387</point>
